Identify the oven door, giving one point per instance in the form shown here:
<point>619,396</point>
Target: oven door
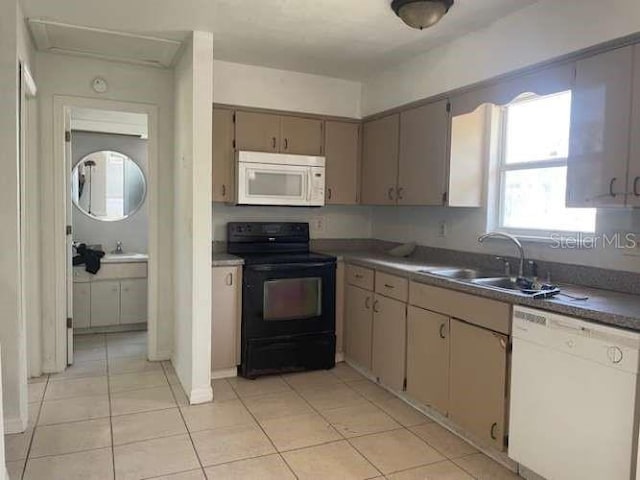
<point>273,184</point>
<point>288,299</point>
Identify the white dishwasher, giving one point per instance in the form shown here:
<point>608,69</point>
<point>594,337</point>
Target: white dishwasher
<point>573,397</point>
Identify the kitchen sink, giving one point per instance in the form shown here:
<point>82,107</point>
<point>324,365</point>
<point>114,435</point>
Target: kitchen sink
<point>460,273</point>
<point>505,283</point>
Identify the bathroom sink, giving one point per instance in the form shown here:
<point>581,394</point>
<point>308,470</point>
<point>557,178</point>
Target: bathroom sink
<point>460,273</point>
<point>504,283</point>
<point>125,257</point>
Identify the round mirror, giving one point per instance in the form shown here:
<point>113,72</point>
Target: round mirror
<point>108,186</point>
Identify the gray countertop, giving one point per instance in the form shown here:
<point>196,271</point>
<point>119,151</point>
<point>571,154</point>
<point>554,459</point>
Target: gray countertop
<point>603,306</point>
<point>222,259</point>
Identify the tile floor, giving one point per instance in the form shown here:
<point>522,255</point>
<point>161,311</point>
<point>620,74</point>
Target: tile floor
<point>115,416</point>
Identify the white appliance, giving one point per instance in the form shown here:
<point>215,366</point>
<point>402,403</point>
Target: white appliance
<point>280,179</point>
<point>573,397</point>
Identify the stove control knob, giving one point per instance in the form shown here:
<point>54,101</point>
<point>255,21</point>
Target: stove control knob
<point>615,355</point>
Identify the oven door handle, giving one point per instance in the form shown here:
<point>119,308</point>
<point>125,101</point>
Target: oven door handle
<point>285,267</point>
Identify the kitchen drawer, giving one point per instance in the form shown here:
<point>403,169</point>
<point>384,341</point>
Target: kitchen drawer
<point>360,277</point>
<point>111,271</point>
<point>480,311</point>
<point>392,286</point>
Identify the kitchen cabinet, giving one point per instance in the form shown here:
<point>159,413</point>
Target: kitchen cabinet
<point>223,155</point>
<point>358,326</point>
<point>633,179</point>
<point>424,134</point>
<point>342,151</point>
<point>340,286</point>
<point>226,316</point>
<point>301,136</point>
<point>428,358</point>
<point>478,382</point>
<point>600,130</point>
<point>257,131</point>
<point>380,160</point>
<point>133,301</point>
<point>105,303</point>
<point>389,342</point>
<point>81,305</point>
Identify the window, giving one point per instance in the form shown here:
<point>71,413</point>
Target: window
<point>534,145</point>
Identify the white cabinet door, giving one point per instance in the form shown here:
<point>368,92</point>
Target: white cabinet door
<point>133,301</point>
<point>226,310</point>
<point>105,303</point>
<point>81,305</point>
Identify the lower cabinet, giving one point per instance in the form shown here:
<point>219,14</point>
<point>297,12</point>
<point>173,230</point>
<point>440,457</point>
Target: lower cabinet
<point>358,326</point>
<point>81,305</point>
<point>133,301</point>
<point>478,382</point>
<point>389,341</point>
<point>226,309</point>
<point>105,303</point>
<point>428,358</point>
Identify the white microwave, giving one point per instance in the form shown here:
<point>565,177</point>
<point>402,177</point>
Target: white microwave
<point>279,179</point>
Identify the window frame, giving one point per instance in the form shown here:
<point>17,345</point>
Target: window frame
<point>502,167</point>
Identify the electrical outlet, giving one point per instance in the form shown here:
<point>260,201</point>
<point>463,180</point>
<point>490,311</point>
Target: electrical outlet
<point>319,224</point>
<point>442,229</point>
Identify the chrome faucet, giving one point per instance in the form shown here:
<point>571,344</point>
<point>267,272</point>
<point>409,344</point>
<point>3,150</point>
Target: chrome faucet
<point>118,250</point>
<point>514,240</point>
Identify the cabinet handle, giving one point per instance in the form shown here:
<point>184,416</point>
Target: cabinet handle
<point>273,142</point>
<point>611,183</point>
<point>229,280</point>
<point>503,342</point>
<point>329,193</point>
<point>367,303</point>
<point>375,307</point>
<point>286,143</point>
<point>390,193</point>
<point>386,285</point>
<point>400,193</point>
<point>493,431</point>
<point>224,190</point>
<point>442,331</point>
<point>358,276</point>
<point>635,186</point>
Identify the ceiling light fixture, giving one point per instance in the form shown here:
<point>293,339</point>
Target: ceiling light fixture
<point>421,13</point>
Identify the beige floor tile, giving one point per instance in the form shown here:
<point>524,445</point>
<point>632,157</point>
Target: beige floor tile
<point>120,365</point>
<point>71,437</point>
<point>126,337</point>
<point>358,420</point>
<point>271,467</point>
<point>136,381</point>
<point>90,465</point>
<point>15,469</point>
<point>222,390</point>
<point>371,391</point>
<point>89,354</point>
<point>448,444</point>
<point>76,387</point>
<point>147,425</point>
<point>40,379</point>
<point>403,413</point>
<point>396,450</point>
<point>216,414</point>
<point>35,391</point>
<point>190,475</point>
<point>346,373</point>
<point>228,444</point>
<point>334,460</point>
<point>339,395</point>
<point>172,378</point>
<point>482,467</point>
<point>181,398</point>
<point>16,445</point>
<point>276,405</point>
<point>152,458</point>
<point>92,368</point>
<point>136,401</point>
<point>301,431</point>
<point>74,409</point>
<point>259,386</point>
<point>437,471</point>
<point>84,341</point>
<point>317,378</point>
<point>137,350</point>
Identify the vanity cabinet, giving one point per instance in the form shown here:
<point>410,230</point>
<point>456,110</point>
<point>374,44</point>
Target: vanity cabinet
<point>226,318</point>
<point>342,151</point>
<point>223,155</point>
<point>81,305</point>
<point>133,301</point>
<point>105,303</point>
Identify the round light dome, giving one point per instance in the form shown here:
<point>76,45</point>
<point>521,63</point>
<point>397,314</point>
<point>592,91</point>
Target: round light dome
<point>421,13</point>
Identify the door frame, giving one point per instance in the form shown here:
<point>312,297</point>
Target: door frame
<point>61,104</point>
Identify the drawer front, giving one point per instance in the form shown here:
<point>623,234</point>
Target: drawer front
<point>479,311</point>
<point>392,286</point>
<point>111,271</point>
<point>360,277</point>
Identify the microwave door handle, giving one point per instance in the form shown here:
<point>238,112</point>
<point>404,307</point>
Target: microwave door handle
<point>309,184</point>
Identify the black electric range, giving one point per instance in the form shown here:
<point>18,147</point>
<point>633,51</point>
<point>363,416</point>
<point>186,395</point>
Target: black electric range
<point>288,299</point>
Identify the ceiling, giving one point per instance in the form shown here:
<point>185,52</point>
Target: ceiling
<point>340,38</point>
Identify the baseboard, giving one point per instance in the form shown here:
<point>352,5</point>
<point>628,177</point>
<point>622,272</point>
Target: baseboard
<point>201,395</point>
<point>339,357</point>
<point>224,373</point>
<point>161,356</point>
<point>14,425</point>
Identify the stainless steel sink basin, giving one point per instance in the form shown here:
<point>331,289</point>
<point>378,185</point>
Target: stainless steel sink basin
<point>505,283</point>
<point>461,273</point>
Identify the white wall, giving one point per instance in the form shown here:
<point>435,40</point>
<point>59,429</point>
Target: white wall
<point>192,222</point>
<point>539,32</point>
<point>254,86</point>
<point>68,75</point>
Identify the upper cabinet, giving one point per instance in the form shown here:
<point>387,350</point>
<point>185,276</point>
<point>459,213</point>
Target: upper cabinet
<point>266,132</point>
<point>424,133</point>
<point>380,161</point>
<point>342,150</point>
<point>223,172</point>
<point>600,130</point>
<point>633,181</point>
